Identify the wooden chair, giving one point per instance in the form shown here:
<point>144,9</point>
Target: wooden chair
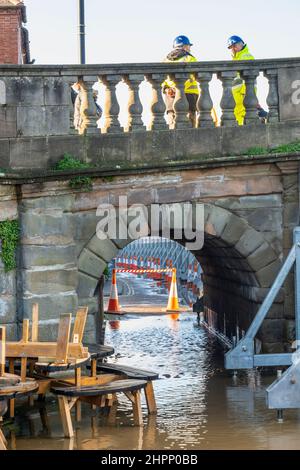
<point>46,366</point>
<point>79,324</point>
<point>77,337</point>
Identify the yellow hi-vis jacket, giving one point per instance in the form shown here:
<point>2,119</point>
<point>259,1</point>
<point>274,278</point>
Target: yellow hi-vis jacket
<point>191,86</point>
<point>239,87</point>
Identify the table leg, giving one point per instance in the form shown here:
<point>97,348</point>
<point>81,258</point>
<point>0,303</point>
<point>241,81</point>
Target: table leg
<point>23,369</point>
<point>112,403</point>
<point>94,374</point>
<point>137,409</point>
<point>78,384</point>
<point>11,368</point>
<point>150,398</point>
<point>3,441</point>
<point>93,367</point>
<point>65,416</point>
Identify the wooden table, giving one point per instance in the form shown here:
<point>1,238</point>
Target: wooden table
<point>66,354</point>
<point>10,392</point>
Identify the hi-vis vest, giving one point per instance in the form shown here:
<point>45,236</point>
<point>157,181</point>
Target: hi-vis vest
<point>191,86</point>
<point>238,83</point>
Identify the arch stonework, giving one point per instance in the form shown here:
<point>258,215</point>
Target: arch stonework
<point>239,265</point>
<point>250,213</point>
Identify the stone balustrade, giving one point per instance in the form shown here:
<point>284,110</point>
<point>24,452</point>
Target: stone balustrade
<point>36,100</point>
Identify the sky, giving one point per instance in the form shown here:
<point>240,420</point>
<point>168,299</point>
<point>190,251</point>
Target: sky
<point>143,31</point>
<point>129,31</point>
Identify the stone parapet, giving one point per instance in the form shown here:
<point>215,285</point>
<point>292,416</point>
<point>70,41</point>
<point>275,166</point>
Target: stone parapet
<point>35,101</point>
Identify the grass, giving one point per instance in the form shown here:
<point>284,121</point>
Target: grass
<point>68,162</point>
<point>256,151</point>
<point>287,148</point>
<point>293,147</point>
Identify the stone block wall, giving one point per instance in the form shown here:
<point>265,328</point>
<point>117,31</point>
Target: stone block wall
<point>250,213</point>
<point>47,260</point>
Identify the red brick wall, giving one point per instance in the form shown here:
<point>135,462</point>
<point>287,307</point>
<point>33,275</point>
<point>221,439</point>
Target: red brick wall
<point>10,36</point>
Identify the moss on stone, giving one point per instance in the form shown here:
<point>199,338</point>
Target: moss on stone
<point>68,162</point>
<point>9,237</point>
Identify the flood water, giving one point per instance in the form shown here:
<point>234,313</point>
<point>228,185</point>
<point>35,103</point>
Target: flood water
<point>200,405</point>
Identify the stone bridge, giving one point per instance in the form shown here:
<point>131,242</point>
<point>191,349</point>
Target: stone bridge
<point>250,195</point>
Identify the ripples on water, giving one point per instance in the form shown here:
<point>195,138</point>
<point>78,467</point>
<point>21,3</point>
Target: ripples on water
<point>200,406</point>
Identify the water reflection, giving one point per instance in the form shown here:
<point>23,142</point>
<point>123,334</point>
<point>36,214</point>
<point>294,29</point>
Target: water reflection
<point>200,406</point>
<point>174,317</point>
<point>114,324</point>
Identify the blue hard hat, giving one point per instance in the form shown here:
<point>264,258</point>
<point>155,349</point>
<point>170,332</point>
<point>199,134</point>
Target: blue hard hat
<point>234,40</point>
<point>181,41</point>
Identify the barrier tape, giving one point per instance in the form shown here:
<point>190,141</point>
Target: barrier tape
<point>141,271</point>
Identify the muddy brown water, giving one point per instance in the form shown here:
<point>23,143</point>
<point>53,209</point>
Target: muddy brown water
<point>200,405</point>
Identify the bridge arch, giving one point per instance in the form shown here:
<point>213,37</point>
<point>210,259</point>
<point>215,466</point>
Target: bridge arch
<point>239,265</point>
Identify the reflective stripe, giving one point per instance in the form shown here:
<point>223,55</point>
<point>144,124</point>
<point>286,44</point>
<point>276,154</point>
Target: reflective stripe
<point>190,85</point>
<point>237,87</point>
<point>238,81</point>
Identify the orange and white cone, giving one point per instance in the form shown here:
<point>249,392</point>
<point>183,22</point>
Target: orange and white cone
<point>113,303</point>
<point>173,304</point>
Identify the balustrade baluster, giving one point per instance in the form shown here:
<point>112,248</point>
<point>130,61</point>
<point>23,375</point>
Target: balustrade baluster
<point>250,101</point>
<point>135,108</point>
<point>158,107</point>
<point>88,111</point>
<point>70,82</point>
<point>205,103</point>
<point>273,99</point>
<point>111,107</point>
<point>181,105</point>
<point>227,102</point>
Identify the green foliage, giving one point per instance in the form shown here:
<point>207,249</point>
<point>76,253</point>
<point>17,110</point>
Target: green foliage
<point>106,272</point>
<point>257,151</point>
<point>108,178</point>
<point>293,147</point>
<point>81,182</point>
<point>68,162</point>
<point>287,148</point>
<point>9,236</point>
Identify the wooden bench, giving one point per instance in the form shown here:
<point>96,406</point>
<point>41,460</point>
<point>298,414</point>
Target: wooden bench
<point>135,374</point>
<point>99,395</point>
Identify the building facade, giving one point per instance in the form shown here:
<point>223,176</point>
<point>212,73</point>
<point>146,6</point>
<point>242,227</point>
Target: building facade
<point>14,42</point>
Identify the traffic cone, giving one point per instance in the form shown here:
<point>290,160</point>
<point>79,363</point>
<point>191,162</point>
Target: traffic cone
<point>173,304</point>
<point>113,303</point>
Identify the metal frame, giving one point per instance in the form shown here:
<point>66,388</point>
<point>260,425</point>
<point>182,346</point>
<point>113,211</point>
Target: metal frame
<point>243,355</point>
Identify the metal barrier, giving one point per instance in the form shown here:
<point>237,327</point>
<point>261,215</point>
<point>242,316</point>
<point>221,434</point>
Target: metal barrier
<point>285,391</point>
